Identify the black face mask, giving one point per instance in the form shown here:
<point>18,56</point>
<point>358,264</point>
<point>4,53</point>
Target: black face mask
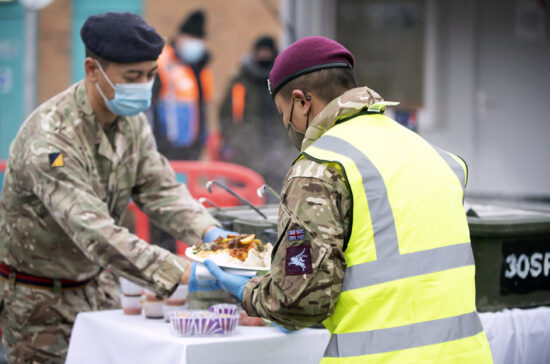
<point>296,136</point>
<point>265,63</point>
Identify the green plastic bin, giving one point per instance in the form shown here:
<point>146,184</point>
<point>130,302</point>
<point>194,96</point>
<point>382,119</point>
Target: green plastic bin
<point>244,212</point>
<point>263,229</point>
<point>512,255</point>
<point>243,219</point>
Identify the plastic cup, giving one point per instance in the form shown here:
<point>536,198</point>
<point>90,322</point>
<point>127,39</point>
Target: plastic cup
<point>151,296</point>
<point>152,309</point>
<point>131,305</point>
<point>180,293</point>
<point>129,288</point>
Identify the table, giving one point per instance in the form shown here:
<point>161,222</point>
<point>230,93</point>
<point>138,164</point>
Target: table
<point>111,337</point>
<point>516,336</point>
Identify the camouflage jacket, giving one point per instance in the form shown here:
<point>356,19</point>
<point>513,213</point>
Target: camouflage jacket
<point>314,220</point>
<point>66,188</point>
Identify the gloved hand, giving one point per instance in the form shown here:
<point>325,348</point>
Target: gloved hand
<point>286,331</point>
<point>214,232</point>
<point>232,283</point>
<point>201,284</point>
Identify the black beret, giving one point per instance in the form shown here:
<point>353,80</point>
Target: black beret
<point>121,37</point>
<point>264,42</point>
<point>194,24</point>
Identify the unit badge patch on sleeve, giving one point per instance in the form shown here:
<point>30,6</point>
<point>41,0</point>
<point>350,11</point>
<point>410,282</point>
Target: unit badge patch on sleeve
<point>298,260</point>
<point>297,234</point>
<point>56,160</point>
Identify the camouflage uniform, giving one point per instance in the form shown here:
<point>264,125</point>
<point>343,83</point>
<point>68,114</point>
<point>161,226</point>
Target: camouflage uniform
<point>67,184</point>
<point>315,198</point>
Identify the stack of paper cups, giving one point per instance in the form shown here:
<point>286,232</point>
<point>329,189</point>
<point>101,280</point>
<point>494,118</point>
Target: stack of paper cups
<point>130,297</point>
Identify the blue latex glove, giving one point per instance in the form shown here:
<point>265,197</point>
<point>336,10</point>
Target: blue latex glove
<point>213,233</point>
<point>201,284</point>
<point>286,331</point>
<point>232,283</point>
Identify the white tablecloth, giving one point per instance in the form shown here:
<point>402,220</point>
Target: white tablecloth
<point>111,337</point>
<point>519,336</point>
<point>516,337</point>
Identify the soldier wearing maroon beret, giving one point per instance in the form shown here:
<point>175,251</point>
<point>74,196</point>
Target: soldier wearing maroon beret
<point>373,238</point>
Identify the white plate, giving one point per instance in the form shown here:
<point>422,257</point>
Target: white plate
<point>229,268</point>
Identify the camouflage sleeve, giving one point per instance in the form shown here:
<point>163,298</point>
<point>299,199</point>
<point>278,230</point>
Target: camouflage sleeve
<point>166,201</point>
<point>75,207</point>
<point>308,265</point>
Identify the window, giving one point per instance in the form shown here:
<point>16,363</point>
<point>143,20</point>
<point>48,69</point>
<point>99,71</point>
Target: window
<point>387,40</point>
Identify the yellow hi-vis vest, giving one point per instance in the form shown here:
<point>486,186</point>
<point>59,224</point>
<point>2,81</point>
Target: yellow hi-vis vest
<point>408,294</point>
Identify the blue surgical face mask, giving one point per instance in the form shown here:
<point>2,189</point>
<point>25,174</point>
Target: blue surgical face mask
<point>130,98</point>
<point>192,50</point>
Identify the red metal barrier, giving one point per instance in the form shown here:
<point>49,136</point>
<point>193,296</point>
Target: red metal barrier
<point>140,222</point>
<point>242,180</point>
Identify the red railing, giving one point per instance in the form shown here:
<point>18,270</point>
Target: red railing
<point>240,179</point>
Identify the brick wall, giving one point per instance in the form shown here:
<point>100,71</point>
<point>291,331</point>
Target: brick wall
<point>54,49</point>
<point>232,26</point>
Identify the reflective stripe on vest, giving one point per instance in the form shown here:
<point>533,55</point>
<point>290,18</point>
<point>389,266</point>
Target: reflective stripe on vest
<point>390,265</point>
<point>455,166</point>
<point>404,337</point>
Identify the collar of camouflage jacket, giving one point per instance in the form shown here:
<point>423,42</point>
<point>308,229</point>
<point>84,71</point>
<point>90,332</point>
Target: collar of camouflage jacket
<point>93,131</point>
<point>348,104</point>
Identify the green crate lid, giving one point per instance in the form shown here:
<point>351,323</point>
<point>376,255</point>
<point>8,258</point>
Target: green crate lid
<point>245,212</point>
<point>496,220</point>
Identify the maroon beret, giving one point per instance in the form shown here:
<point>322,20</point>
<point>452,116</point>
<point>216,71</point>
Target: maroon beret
<point>304,56</point>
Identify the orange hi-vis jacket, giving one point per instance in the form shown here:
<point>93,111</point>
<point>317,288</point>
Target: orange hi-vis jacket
<point>178,108</point>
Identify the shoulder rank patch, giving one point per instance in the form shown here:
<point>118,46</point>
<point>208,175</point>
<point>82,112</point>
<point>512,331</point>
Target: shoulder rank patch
<point>297,234</point>
<point>56,160</point>
<point>298,260</point>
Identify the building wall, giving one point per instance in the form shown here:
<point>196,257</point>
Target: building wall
<point>232,26</point>
<point>12,73</point>
<point>486,85</point>
<point>54,49</point>
<point>490,95</point>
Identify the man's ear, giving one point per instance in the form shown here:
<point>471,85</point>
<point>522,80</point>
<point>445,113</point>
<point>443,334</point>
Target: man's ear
<point>91,69</point>
<point>300,96</point>
<point>303,98</point>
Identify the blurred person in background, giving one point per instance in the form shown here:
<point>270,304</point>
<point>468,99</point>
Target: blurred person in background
<point>249,120</point>
<point>182,94</point>
<point>373,236</point>
<point>72,169</point>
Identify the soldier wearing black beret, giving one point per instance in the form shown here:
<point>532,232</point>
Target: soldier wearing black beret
<point>121,49</point>
<point>73,167</point>
<point>121,38</point>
